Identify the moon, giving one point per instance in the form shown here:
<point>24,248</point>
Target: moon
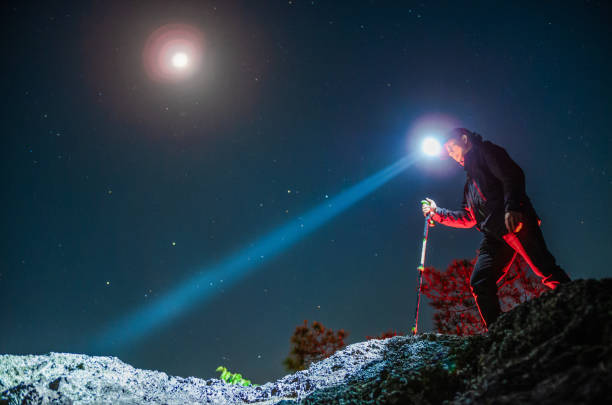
<point>180,60</point>
<point>173,53</point>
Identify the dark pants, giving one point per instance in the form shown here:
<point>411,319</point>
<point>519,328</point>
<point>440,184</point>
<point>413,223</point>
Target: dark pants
<point>495,257</point>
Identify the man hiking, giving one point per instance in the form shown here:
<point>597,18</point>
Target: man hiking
<point>494,201</point>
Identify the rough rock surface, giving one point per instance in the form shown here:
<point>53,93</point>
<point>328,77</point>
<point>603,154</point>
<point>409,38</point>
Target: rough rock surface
<point>556,349</point>
<point>551,350</point>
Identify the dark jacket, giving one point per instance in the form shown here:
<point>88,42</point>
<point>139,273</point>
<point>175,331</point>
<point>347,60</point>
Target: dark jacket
<point>494,185</point>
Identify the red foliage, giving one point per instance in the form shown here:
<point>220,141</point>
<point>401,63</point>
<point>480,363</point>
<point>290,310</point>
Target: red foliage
<point>314,343</point>
<point>451,297</point>
<point>385,335</point>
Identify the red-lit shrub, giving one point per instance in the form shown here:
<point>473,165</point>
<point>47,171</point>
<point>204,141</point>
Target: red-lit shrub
<point>451,297</point>
<point>312,343</point>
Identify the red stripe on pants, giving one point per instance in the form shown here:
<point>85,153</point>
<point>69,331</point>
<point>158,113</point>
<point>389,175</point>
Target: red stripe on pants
<point>514,242</point>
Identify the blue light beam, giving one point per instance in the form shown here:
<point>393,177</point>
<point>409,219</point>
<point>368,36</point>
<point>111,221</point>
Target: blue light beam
<point>200,288</point>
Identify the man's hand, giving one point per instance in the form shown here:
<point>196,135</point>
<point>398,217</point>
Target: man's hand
<point>514,221</point>
<point>431,207</point>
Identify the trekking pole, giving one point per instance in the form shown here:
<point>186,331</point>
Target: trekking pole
<point>428,222</point>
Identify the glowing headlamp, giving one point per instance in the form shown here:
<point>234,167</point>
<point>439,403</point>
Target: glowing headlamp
<point>431,146</point>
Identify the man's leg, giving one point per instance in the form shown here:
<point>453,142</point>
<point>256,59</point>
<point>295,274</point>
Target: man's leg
<point>529,243</point>
<point>494,258</point>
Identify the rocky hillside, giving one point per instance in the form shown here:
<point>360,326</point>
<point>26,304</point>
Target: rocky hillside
<point>556,349</point>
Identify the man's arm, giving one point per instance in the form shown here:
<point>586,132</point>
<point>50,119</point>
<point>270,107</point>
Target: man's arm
<point>463,218</point>
<point>509,173</point>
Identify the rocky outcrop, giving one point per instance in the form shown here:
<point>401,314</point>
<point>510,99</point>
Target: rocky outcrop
<point>556,349</point>
<point>551,350</point>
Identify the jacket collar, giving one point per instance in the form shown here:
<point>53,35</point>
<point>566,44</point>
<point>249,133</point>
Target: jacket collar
<point>467,158</point>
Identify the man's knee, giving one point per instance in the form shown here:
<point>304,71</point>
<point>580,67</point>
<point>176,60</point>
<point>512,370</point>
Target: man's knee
<point>556,277</point>
<point>483,286</point>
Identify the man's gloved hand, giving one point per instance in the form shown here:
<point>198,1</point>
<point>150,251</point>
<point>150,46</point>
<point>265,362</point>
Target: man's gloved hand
<point>431,207</point>
<point>514,221</point>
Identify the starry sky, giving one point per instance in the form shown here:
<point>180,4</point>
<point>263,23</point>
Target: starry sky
<point>117,187</point>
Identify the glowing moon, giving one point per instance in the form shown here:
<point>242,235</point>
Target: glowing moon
<point>180,60</point>
<point>173,53</point>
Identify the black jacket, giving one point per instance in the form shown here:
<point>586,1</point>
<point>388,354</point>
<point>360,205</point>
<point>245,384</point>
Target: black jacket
<point>494,185</point>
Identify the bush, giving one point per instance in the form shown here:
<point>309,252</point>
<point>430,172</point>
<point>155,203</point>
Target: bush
<point>451,297</point>
<point>312,343</point>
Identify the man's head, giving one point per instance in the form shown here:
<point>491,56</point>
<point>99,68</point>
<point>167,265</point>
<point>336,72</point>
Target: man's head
<point>457,143</point>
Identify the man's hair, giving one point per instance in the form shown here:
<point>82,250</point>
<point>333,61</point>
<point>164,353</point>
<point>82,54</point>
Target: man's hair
<point>456,134</point>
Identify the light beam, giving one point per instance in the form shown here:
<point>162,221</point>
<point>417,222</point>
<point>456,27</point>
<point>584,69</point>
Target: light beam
<point>202,287</point>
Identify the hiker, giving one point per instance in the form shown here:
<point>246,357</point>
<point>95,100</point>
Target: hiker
<point>494,201</point>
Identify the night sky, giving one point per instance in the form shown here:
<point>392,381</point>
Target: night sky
<point>119,186</point>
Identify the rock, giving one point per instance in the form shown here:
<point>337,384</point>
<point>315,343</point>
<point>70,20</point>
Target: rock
<point>54,385</point>
<point>550,350</point>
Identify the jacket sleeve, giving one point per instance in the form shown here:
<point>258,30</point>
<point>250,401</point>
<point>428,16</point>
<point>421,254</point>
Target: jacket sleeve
<point>463,218</point>
<point>509,173</point>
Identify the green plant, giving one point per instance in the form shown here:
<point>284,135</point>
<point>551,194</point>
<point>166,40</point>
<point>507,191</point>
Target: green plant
<point>235,378</point>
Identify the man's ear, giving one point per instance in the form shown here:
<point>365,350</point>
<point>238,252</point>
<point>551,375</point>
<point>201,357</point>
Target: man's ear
<point>464,139</point>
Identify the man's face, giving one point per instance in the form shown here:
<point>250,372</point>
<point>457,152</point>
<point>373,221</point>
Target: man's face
<point>456,150</point>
